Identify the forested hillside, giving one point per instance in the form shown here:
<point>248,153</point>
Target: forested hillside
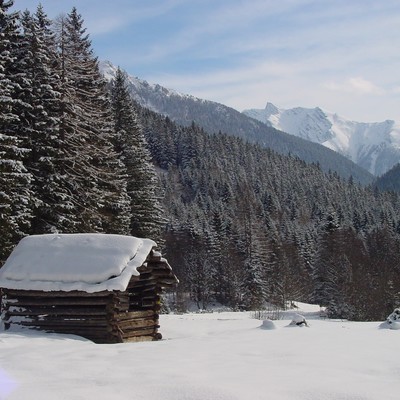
<point>240,224</point>
<point>390,180</point>
<point>247,225</point>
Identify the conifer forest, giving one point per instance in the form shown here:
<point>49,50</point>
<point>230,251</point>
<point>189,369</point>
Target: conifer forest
<point>240,224</point>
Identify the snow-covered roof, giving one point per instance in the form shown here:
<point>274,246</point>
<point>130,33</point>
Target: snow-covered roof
<point>89,262</point>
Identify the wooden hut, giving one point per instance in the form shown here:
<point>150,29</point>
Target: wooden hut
<point>103,287</point>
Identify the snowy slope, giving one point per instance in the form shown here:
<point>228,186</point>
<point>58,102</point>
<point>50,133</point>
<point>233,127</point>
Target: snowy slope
<point>208,356</point>
<point>147,94</point>
<point>373,146</point>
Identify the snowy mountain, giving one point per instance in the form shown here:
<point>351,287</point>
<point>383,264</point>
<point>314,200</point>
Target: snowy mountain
<point>215,117</point>
<point>373,146</point>
<point>152,96</point>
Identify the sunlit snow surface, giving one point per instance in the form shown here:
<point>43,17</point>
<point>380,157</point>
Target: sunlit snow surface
<point>217,356</point>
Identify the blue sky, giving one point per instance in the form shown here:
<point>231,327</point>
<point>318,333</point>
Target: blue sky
<point>340,55</point>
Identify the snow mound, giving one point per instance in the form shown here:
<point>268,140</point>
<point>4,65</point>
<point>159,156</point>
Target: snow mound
<point>392,321</point>
<point>268,325</point>
<point>298,320</point>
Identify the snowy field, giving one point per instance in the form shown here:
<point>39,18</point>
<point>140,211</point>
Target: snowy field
<point>215,356</point>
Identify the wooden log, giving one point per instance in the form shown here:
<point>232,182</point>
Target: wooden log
<point>117,309</point>
<point>154,256</point>
<point>67,323</point>
<point>59,312</point>
<point>141,288</point>
<point>135,315</point>
<point>80,331</point>
<point>136,339</point>
<point>120,303</point>
<point>145,275</point>
<point>60,320</point>
<point>9,316</point>
<point>136,333</point>
<point>163,276</point>
<point>45,302</point>
<point>86,318</point>
<point>137,324</point>
<point>160,264</point>
<point>140,307</point>
<point>40,293</point>
<point>120,300</point>
<point>141,282</point>
<point>145,289</point>
<point>166,282</point>
<point>166,272</point>
<point>161,267</point>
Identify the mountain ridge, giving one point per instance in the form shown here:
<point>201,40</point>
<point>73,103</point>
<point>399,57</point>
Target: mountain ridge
<point>374,146</point>
<point>215,117</point>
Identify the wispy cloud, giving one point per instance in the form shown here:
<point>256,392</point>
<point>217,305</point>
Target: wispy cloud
<point>125,13</point>
<point>357,85</point>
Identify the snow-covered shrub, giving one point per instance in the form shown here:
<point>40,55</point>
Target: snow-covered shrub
<point>392,321</point>
<point>298,320</point>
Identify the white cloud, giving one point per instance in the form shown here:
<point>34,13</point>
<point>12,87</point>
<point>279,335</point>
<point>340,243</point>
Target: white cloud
<point>356,85</point>
<point>363,86</point>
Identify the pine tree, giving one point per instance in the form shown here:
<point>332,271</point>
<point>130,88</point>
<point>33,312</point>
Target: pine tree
<point>40,122</point>
<point>15,195</point>
<point>333,270</point>
<point>200,273</point>
<point>96,176</point>
<point>255,254</point>
<point>131,148</point>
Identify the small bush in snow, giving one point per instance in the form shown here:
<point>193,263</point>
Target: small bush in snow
<point>392,321</point>
<point>298,320</point>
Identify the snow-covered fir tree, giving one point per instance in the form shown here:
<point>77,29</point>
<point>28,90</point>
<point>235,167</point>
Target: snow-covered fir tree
<point>95,175</point>
<point>131,147</point>
<point>40,122</point>
<point>15,194</point>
